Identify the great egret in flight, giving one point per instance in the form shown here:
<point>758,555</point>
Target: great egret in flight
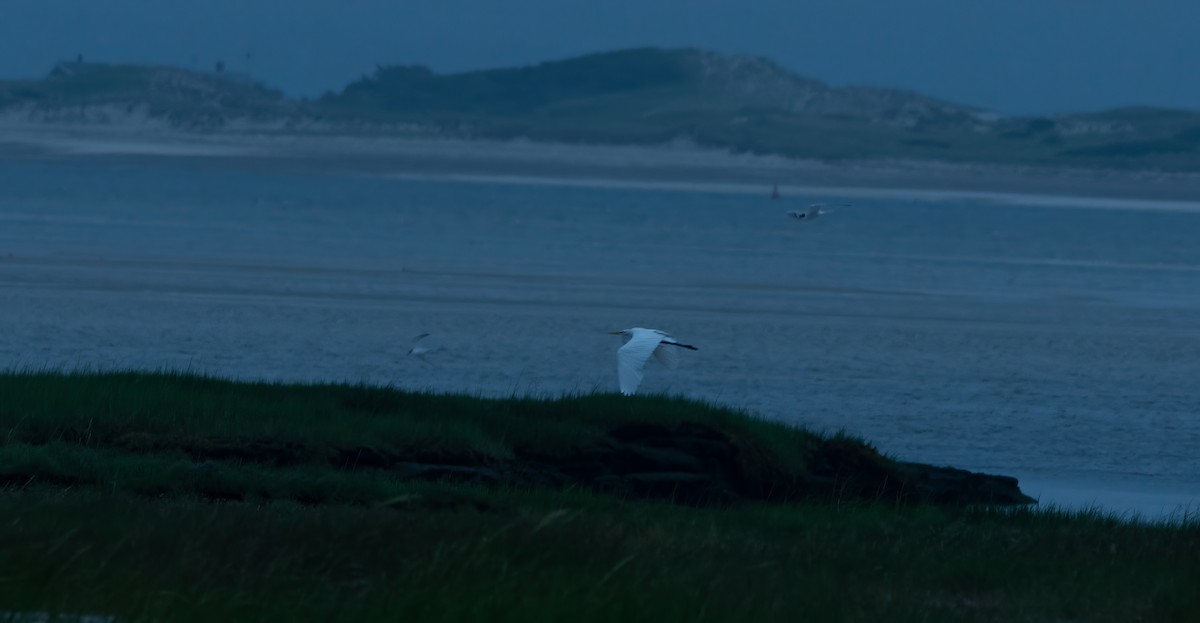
<point>814,211</point>
<point>631,357</point>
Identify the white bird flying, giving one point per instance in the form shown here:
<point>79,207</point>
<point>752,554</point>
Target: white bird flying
<point>423,345</point>
<point>814,211</point>
<point>631,357</point>
<point>420,349</point>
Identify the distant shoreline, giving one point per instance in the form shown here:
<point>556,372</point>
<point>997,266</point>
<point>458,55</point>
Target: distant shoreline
<point>677,166</point>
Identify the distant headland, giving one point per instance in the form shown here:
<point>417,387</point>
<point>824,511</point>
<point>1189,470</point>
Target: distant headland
<point>639,96</point>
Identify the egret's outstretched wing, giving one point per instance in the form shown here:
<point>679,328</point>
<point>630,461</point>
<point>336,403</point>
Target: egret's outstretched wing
<point>631,359</point>
<point>666,351</point>
<point>666,355</point>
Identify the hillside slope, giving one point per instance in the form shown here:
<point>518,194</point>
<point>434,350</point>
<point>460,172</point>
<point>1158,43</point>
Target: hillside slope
<point>643,83</point>
<point>636,96</point>
<point>97,92</point>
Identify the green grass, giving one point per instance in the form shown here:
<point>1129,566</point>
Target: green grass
<point>183,434</point>
<point>120,408</point>
<point>552,557</point>
<point>67,465</point>
<point>103,511</point>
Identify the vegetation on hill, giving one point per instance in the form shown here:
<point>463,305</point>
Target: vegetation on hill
<point>97,92</point>
<point>181,434</point>
<point>644,96</point>
<point>638,83</point>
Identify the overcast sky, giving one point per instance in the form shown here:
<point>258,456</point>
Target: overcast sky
<point>1014,56</point>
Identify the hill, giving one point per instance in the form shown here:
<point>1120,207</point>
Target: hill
<point>99,92</point>
<point>639,83</point>
<point>636,96</point>
<point>752,104</point>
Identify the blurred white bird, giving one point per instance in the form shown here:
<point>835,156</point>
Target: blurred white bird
<point>631,357</point>
<point>815,210</point>
<point>419,348</point>
<point>423,345</point>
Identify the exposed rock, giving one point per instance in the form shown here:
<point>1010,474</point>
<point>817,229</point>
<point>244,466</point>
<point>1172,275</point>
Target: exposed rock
<point>693,464</point>
<point>687,464</point>
<point>947,485</point>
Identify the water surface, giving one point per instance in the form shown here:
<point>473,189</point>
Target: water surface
<point>1059,343</point>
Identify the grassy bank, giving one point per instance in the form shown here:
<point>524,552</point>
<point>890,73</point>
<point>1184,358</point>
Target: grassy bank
<point>176,497</point>
<point>179,433</point>
<point>94,409</point>
<point>185,434</point>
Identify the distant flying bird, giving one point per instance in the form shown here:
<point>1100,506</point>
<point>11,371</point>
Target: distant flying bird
<point>423,345</point>
<point>815,210</point>
<point>631,357</point>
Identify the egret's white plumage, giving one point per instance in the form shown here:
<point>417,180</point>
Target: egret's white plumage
<point>631,358</point>
<point>814,211</point>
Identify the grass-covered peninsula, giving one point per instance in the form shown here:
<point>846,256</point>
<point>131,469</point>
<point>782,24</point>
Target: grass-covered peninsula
<point>180,497</point>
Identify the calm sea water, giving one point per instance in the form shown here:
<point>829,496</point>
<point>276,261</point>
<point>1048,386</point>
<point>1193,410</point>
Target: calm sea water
<point>1058,344</point>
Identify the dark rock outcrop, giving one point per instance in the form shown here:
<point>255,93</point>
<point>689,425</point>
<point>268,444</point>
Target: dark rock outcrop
<point>947,485</point>
<point>687,464</point>
<point>693,464</point>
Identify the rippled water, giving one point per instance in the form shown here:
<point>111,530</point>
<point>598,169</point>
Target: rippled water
<point>1060,344</point>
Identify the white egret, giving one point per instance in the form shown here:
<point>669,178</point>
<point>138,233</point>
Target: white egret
<point>814,211</point>
<point>631,357</point>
